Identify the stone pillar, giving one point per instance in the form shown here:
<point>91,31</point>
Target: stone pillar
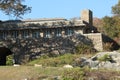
<point>86,15</point>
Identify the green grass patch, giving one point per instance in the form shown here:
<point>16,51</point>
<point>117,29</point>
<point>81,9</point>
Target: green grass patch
<point>55,61</point>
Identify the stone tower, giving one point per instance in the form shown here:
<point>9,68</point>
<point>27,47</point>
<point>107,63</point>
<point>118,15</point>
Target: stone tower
<point>86,15</point>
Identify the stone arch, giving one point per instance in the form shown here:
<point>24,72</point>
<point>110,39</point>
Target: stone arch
<point>4,52</point>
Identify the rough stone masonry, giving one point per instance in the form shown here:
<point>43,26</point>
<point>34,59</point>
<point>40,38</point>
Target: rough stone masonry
<point>30,38</point>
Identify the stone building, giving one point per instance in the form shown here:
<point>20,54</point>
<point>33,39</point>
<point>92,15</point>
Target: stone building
<point>36,36</point>
<point>46,28</point>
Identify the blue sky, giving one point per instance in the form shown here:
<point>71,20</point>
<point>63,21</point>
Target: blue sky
<point>66,8</point>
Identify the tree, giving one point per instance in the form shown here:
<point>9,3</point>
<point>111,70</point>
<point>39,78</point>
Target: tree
<point>116,9</point>
<point>14,8</point>
<point>97,22</point>
<point>109,26</point>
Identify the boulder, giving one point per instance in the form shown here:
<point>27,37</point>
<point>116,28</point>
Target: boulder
<point>90,63</point>
<point>67,66</point>
<point>94,61</point>
<point>106,64</point>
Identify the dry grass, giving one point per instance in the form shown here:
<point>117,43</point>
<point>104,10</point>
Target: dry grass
<point>27,72</point>
<point>103,74</point>
<point>40,73</point>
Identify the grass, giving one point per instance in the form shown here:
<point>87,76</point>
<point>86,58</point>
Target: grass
<point>52,67</point>
<point>37,73</point>
<point>27,72</point>
<point>49,73</point>
<point>57,61</point>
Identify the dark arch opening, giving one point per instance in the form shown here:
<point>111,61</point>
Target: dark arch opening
<point>4,52</point>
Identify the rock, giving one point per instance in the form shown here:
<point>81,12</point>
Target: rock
<point>95,68</point>
<point>56,52</point>
<point>68,66</point>
<point>99,55</point>
<point>106,64</point>
<point>80,61</point>
<point>115,56</point>
<point>53,45</point>
<point>57,78</point>
<point>13,41</point>
<point>94,62</point>
<point>83,61</point>
<point>62,51</point>
<point>90,63</point>
<point>37,65</point>
<point>46,45</point>
<point>25,79</point>
<point>16,65</point>
<point>94,58</point>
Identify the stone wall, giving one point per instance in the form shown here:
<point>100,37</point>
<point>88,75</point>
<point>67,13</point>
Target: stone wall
<point>18,36</point>
<point>32,48</point>
<point>96,39</point>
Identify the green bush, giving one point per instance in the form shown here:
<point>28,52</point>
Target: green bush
<point>55,61</point>
<point>9,60</point>
<point>85,49</point>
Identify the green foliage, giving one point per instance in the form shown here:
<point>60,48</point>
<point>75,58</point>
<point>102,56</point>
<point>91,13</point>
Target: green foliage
<point>106,57</point>
<point>14,7</point>
<point>73,74</point>
<point>55,61</point>
<point>109,26</point>
<point>97,22</point>
<point>84,49</point>
<point>9,60</point>
<point>116,9</point>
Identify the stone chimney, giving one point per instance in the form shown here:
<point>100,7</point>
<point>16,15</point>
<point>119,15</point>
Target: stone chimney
<point>86,15</point>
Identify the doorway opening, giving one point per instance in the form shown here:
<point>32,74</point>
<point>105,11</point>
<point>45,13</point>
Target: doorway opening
<point>4,52</point>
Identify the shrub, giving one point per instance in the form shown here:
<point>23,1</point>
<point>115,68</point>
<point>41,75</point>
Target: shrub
<point>73,74</point>
<point>9,60</point>
<point>107,46</point>
<point>84,49</point>
<point>55,61</point>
